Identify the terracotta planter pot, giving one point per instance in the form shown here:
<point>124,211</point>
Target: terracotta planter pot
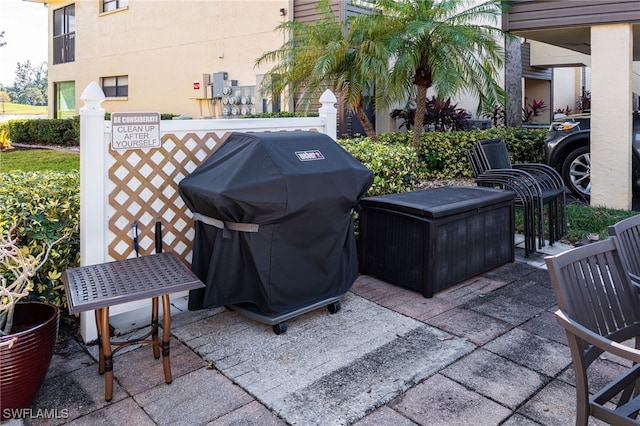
<point>24,366</point>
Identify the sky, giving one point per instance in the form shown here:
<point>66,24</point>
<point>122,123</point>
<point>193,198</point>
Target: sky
<point>25,31</point>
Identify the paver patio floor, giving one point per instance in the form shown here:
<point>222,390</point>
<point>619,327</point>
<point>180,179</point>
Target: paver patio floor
<point>487,351</point>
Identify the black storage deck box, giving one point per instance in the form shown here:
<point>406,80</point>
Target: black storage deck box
<point>432,239</point>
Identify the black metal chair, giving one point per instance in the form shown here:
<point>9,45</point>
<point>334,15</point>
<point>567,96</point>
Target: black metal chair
<point>599,310</point>
<point>536,186</point>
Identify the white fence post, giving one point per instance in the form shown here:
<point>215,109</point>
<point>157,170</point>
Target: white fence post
<point>92,191</point>
<point>329,113</point>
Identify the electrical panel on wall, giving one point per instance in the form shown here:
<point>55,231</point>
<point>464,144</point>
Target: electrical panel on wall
<point>237,101</point>
<point>219,80</point>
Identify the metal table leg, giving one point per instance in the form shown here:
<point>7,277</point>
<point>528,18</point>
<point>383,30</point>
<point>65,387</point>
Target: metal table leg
<point>105,354</point>
<point>166,337</point>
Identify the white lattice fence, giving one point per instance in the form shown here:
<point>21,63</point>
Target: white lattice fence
<point>143,188</point>
<point>120,187</point>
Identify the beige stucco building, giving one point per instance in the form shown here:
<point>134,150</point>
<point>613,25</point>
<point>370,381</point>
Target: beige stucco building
<point>158,55</point>
<point>170,55</point>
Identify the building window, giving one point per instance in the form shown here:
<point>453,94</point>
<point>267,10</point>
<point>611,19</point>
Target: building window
<point>64,34</point>
<point>65,99</point>
<point>116,87</point>
<point>109,5</point>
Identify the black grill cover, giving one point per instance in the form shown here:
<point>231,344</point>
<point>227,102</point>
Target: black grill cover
<point>300,189</point>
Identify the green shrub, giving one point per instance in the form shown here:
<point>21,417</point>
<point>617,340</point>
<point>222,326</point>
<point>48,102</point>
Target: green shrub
<point>46,206</point>
<point>281,114</point>
<point>444,154</point>
<point>40,130</point>
<point>18,131</point>
<point>441,155</point>
<point>524,144</point>
<point>395,166</point>
<point>45,131</point>
<point>395,137</point>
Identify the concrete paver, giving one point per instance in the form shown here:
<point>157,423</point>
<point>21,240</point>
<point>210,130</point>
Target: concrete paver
<point>442,401</point>
<point>554,404</point>
<point>485,352</point>
<point>496,377</point>
<point>471,325</point>
<point>535,352</point>
<point>251,414</point>
<point>138,380</point>
<point>385,416</point>
<point>545,325</point>
<point>505,308</point>
<point>195,398</point>
<point>115,413</point>
<point>73,395</point>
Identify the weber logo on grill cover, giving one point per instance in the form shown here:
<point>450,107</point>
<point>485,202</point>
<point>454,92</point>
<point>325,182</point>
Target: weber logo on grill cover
<point>309,155</point>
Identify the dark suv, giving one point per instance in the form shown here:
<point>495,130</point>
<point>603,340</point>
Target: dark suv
<point>566,149</point>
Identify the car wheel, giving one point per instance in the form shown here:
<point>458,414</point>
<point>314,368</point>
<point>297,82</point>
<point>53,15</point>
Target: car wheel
<point>576,172</point>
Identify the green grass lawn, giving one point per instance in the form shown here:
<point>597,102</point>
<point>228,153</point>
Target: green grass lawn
<point>20,109</point>
<point>36,160</point>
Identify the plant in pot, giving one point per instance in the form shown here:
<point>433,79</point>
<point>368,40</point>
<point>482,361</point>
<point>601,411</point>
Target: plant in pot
<point>28,329</point>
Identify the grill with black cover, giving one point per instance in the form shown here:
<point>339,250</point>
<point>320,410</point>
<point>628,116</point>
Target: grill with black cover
<point>274,223</point>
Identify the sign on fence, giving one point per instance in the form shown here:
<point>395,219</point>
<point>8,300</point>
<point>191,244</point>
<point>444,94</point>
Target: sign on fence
<point>135,130</point>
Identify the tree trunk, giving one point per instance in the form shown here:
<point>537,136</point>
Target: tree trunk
<point>421,107</point>
<point>366,123</point>
<point>513,82</point>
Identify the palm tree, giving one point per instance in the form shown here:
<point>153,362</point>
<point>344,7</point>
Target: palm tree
<point>447,45</point>
<point>320,55</point>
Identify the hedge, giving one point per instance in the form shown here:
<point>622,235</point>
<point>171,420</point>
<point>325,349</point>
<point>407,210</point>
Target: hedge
<point>45,131</point>
<point>441,155</point>
<point>396,167</point>
<point>46,206</point>
<point>445,154</point>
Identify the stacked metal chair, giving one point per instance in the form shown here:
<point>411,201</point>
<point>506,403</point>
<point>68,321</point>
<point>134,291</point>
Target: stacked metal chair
<point>535,185</point>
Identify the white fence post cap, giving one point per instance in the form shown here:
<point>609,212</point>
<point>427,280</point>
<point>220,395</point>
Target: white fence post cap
<point>328,97</point>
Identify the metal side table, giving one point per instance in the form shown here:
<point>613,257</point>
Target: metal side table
<point>107,284</point>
